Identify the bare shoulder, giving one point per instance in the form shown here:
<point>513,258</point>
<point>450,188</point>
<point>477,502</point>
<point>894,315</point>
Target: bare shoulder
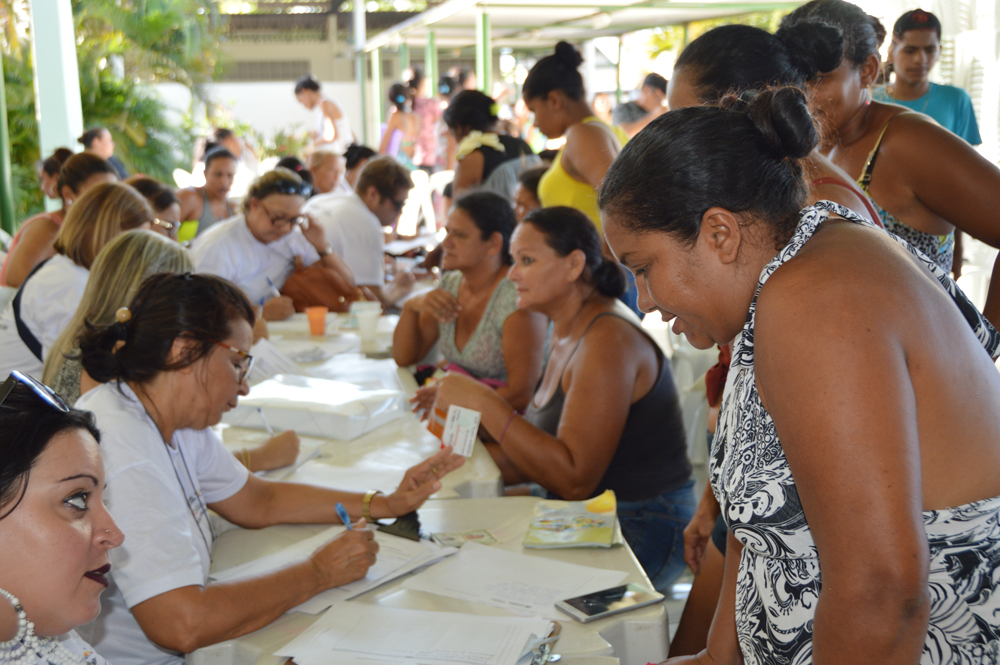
<point>613,338</point>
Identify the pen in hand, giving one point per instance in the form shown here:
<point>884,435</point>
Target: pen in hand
<point>267,425</point>
<point>344,516</point>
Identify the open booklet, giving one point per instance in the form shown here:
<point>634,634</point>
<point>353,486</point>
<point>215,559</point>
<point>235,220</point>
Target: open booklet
<point>558,524</point>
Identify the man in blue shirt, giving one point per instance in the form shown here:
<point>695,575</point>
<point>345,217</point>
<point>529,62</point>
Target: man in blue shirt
<point>915,49</point>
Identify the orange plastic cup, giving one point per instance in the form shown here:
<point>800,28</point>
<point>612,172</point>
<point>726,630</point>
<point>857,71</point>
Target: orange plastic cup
<point>317,320</point>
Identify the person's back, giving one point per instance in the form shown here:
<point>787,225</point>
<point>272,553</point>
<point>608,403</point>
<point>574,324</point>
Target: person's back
<point>354,233</point>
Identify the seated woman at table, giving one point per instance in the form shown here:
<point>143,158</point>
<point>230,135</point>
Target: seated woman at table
<point>173,363</point>
<point>49,296</point>
<point>260,249</point>
<point>473,312</point>
<point>34,239</point>
<point>55,532</point>
<point>856,457</point>
<point>209,204</point>
<point>117,273</point>
<point>605,414</point>
<point>164,202</point>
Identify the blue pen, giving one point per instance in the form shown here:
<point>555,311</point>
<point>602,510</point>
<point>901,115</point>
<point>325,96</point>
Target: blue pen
<point>277,293</point>
<point>344,517</point>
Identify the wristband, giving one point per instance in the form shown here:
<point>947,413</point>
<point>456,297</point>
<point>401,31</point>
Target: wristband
<point>366,505</point>
<point>326,252</point>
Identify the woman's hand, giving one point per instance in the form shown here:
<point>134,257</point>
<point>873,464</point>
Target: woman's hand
<point>278,451</point>
<point>346,558</point>
<point>278,308</point>
<point>440,304</point>
<point>314,233</point>
<point>421,481</point>
<point>424,399</point>
<point>461,390</point>
<point>699,531</point>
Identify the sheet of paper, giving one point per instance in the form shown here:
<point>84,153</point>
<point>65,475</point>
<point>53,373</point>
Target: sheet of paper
<point>460,429</point>
<point>513,581</point>
<point>399,247</point>
<point>396,557</point>
<point>361,628</point>
<point>306,453</point>
<point>348,479</point>
<point>268,362</point>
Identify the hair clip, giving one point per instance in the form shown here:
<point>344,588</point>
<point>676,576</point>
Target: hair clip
<point>743,101</point>
<point>185,276</point>
<point>123,315</point>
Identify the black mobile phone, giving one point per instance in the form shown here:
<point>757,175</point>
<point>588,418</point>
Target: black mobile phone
<point>600,604</point>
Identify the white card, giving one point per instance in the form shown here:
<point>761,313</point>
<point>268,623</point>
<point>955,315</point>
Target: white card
<point>460,429</point>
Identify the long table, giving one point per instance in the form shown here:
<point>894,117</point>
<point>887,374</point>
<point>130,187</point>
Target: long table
<point>633,638</point>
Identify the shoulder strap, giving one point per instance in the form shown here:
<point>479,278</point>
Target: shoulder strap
<point>866,176</point>
<point>23,331</point>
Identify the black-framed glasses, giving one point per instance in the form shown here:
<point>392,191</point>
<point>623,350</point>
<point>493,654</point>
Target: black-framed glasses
<point>278,221</point>
<point>42,391</point>
<point>247,360</point>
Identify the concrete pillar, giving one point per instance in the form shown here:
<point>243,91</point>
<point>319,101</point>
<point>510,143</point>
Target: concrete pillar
<point>431,60</point>
<point>377,101</point>
<point>58,109</point>
<point>7,220</point>
<point>484,52</point>
<point>360,37</point>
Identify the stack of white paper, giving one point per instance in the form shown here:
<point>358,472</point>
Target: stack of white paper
<point>355,632</point>
<point>516,582</point>
<point>269,361</point>
<point>396,557</point>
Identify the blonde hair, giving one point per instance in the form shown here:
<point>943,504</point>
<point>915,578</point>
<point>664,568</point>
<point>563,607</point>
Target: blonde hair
<point>269,183</point>
<point>118,271</point>
<point>97,217</point>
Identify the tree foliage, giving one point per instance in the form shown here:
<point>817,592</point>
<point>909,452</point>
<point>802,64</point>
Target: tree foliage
<point>672,37</point>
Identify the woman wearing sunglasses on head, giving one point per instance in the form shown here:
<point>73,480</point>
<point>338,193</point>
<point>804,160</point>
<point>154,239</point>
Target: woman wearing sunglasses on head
<point>174,361</point>
<point>260,249</point>
<point>55,532</point>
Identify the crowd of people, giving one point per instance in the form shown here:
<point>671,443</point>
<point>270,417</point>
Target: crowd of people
<point>773,198</point>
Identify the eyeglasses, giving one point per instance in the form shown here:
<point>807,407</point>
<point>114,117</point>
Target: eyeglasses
<point>247,360</point>
<point>169,226</point>
<point>278,221</point>
<point>43,392</point>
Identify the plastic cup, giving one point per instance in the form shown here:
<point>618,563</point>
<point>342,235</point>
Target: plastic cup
<point>367,325</point>
<point>317,320</point>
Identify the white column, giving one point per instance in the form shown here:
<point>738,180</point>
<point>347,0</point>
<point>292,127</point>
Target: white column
<point>590,69</point>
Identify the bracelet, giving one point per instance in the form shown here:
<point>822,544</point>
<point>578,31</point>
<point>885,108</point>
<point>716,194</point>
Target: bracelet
<point>326,252</point>
<point>504,432</point>
<point>366,505</point>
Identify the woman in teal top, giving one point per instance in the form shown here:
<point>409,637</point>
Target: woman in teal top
<point>473,314</point>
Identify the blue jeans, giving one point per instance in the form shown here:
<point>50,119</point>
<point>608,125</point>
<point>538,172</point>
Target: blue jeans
<point>654,529</point>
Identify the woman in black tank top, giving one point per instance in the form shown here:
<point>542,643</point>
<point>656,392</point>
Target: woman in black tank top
<point>605,414</point>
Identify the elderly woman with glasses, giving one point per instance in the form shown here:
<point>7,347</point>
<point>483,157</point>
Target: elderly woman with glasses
<point>171,364</point>
<point>259,249</point>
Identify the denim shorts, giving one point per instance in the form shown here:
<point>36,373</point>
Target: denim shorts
<point>654,529</point>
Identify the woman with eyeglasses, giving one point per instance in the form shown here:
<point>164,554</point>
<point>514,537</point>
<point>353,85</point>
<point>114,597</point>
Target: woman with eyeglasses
<point>48,297</point>
<point>55,532</point>
<point>174,361</point>
<point>260,249</point>
<point>164,202</point>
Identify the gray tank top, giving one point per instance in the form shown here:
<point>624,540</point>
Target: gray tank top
<point>207,216</point>
<point>651,458</point>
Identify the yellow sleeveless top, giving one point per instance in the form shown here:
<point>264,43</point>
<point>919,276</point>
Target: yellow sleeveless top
<point>558,188</point>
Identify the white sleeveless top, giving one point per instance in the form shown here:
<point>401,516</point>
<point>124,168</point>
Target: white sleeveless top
<point>343,126</point>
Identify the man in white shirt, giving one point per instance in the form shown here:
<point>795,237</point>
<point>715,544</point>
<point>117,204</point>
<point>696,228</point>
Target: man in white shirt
<point>354,225</point>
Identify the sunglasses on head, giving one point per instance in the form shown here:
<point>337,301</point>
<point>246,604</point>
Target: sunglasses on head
<point>42,391</point>
<point>303,189</point>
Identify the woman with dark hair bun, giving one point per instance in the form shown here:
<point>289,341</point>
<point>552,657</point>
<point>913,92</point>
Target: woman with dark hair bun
<point>733,59</point>
<point>472,121</point>
<point>402,129</point>
<point>98,140</point>
<point>854,460</point>
<point>355,158</point>
<point>605,414</point>
<point>55,532</point>
<point>473,314</point>
<point>174,361</point>
<point>164,202</point>
<point>925,182</point>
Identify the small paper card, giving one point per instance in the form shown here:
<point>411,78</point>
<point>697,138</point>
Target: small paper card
<point>460,429</point>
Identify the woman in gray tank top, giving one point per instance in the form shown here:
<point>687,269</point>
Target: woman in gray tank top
<point>605,414</point>
<point>197,202</point>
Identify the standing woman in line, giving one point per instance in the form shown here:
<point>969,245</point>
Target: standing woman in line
<point>404,121</point>
<point>33,242</point>
<point>98,141</point>
<point>209,204</point>
<point>857,456</point>
<point>554,92</point>
<point>333,129</point>
<point>925,181</point>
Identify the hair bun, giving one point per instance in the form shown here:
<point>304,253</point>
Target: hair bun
<point>812,47</point>
<point>782,118</point>
<point>567,54</point>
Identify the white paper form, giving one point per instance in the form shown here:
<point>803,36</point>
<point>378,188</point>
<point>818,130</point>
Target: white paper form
<point>516,582</point>
<point>268,362</point>
<point>396,557</point>
<point>414,634</point>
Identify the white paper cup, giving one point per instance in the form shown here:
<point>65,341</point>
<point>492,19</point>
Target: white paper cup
<point>367,325</point>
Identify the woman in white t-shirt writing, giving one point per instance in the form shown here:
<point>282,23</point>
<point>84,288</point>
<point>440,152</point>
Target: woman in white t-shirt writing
<point>49,295</point>
<point>176,360</point>
<point>260,249</point>
<point>55,532</point>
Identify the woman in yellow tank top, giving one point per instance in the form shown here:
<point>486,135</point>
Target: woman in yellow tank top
<point>554,92</point>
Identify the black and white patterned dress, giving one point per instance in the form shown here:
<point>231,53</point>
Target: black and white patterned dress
<point>779,577</point>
